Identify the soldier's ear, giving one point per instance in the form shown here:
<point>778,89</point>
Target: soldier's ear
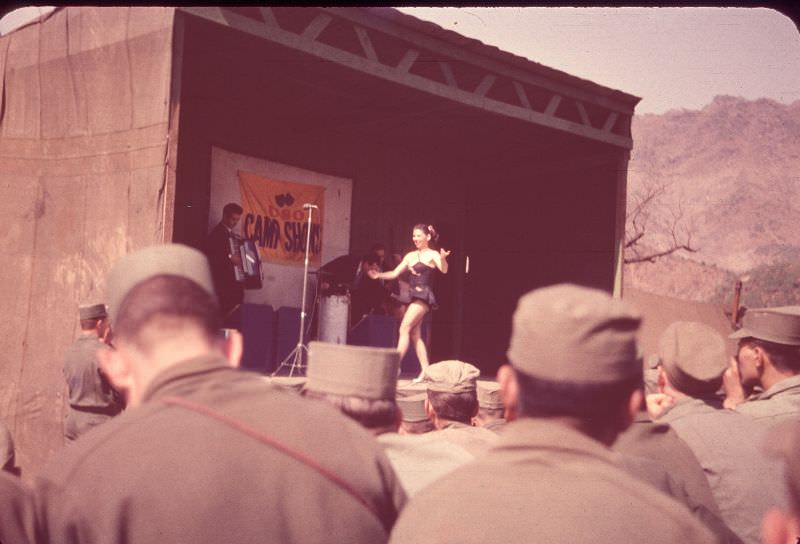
<point>116,367</point>
<point>234,347</point>
<point>509,391</point>
<point>429,409</point>
<point>634,405</point>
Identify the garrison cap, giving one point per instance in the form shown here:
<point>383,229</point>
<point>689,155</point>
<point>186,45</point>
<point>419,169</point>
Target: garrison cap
<point>489,395</point>
<point>451,377</point>
<point>92,311</point>
<point>141,265</point>
<point>693,356</point>
<point>780,325</point>
<point>358,371</point>
<point>574,334</point>
<point>413,407</point>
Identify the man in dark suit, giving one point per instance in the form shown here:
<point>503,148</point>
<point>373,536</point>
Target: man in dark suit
<point>229,291</point>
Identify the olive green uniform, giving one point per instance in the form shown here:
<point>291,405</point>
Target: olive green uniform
<point>544,482</point>
<point>16,511</point>
<point>778,403</point>
<point>91,400</point>
<point>243,462</point>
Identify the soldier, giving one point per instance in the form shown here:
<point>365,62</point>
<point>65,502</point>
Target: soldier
<point>783,526</point>
<point>768,356</point>
<point>359,381</point>
<point>574,385</point>
<point>415,418</point>
<point>727,445</point>
<point>206,453</point>
<point>491,412</point>
<point>16,511</point>
<point>91,398</point>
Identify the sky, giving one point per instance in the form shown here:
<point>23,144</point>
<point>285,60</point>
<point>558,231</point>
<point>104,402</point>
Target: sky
<point>673,58</point>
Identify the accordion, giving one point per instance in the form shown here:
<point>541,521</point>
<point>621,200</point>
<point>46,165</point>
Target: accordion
<point>249,272</point>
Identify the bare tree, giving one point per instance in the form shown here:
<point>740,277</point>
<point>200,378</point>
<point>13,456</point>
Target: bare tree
<point>656,226</point>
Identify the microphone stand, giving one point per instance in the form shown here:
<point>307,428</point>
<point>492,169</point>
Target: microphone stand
<point>295,361</point>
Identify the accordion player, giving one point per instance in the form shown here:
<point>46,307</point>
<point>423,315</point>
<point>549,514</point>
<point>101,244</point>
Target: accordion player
<point>249,271</point>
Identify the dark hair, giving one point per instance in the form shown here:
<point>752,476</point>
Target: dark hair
<point>595,403</point>
<point>418,427</point>
<point>370,413</point>
<point>377,247</point>
<point>783,356</point>
<point>230,209</point>
<point>371,258</point>
<point>429,230</point>
<point>491,413</point>
<point>454,406</point>
<point>169,302</point>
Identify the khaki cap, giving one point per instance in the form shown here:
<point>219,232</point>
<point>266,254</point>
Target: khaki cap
<point>92,311</point>
<point>358,371</point>
<point>780,325</point>
<point>451,377</point>
<point>693,356</point>
<point>413,407</point>
<point>167,259</point>
<point>574,334</point>
<point>489,395</point>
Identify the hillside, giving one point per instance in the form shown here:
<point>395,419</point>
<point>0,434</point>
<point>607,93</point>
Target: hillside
<point>734,169</point>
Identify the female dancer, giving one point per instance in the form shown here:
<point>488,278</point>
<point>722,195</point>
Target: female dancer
<point>421,264</point>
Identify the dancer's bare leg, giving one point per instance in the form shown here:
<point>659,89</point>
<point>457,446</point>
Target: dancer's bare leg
<point>413,316</point>
<point>413,319</point>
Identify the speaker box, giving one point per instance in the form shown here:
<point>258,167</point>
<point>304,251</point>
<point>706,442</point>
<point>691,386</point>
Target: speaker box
<point>288,331</point>
<point>257,325</point>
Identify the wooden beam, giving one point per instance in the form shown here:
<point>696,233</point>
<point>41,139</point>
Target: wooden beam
<point>268,16</point>
<point>449,76</point>
<point>522,95</point>
<point>552,106</point>
<point>366,43</point>
<point>610,122</point>
<point>485,84</point>
<point>407,61</point>
<point>315,27</point>
<point>582,112</point>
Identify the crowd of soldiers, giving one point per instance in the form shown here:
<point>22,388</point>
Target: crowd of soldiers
<point>579,438</point>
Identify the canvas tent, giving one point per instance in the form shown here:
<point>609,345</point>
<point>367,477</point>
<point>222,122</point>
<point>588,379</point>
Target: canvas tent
<point>112,118</point>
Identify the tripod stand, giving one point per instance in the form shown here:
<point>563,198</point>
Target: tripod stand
<point>295,360</point>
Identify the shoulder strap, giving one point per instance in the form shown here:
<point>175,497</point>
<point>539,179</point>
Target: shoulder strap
<point>278,445</point>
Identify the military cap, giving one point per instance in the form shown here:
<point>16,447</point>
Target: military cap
<point>92,311</point>
<point>575,334</point>
<point>489,395</point>
<point>780,325</point>
<point>169,259</point>
<point>358,371</point>
<point>693,356</point>
<point>413,407</point>
<point>451,377</point>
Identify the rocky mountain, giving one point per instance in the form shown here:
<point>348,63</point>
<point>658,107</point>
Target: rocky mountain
<point>732,171</point>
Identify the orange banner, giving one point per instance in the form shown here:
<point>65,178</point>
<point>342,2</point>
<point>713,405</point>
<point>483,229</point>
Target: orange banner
<point>275,218</point>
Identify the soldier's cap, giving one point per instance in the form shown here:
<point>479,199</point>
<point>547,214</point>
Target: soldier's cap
<point>489,395</point>
<point>783,441</point>
<point>359,371</point>
<point>575,334</point>
<point>780,325</point>
<point>413,407</point>
<point>92,311</point>
<point>693,356</point>
<point>169,259</point>
<point>451,377</point>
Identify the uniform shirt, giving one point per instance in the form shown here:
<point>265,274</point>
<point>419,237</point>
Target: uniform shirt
<point>88,388</point>
<point>728,446</point>
<point>778,403</point>
<point>544,482</point>
<point>165,473</point>
<point>16,511</point>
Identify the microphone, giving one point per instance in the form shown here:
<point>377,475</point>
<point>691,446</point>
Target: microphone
<point>308,206</point>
